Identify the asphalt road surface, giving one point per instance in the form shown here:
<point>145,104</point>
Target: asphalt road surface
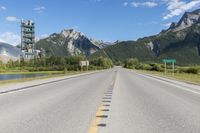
<point>111,101</point>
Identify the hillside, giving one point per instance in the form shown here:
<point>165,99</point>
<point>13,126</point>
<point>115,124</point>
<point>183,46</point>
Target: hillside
<point>124,50</point>
<point>181,42</point>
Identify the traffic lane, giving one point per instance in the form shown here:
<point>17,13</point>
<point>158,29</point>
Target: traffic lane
<point>139,105</point>
<point>54,107</point>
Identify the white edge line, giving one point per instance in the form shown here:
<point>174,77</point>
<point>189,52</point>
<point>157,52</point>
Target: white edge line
<point>172,84</point>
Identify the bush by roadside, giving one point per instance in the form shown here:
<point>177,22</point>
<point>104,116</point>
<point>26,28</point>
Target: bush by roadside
<point>133,63</point>
<point>191,70</point>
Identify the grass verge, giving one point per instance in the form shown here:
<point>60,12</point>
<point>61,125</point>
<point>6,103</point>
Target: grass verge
<point>51,74</point>
<point>40,72</point>
<point>189,78</point>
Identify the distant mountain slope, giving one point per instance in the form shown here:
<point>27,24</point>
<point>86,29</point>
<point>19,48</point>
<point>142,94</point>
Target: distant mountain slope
<point>124,50</point>
<point>68,43</point>
<point>181,42</point>
<point>100,43</point>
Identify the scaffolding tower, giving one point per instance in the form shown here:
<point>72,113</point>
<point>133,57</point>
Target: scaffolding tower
<point>28,39</point>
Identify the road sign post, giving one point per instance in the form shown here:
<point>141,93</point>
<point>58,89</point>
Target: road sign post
<point>173,68</point>
<point>84,63</point>
<point>173,61</point>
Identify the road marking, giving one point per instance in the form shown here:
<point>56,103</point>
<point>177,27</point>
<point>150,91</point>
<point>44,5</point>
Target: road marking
<point>94,125</point>
<point>172,84</point>
<point>181,87</point>
<point>107,105</point>
<point>112,83</point>
<point>100,113</point>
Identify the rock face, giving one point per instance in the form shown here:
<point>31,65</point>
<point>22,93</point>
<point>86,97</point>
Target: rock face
<point>187,20</point>
<point>68,43</point>
<point>100,43</point>
<point>186,31</point>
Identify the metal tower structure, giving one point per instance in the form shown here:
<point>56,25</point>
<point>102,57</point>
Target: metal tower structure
<point>28,39</point>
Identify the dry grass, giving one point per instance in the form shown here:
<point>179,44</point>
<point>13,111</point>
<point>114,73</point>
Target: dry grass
<point>191,78</point>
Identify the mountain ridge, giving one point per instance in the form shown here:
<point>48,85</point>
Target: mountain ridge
<point>69,42</point>
<point>181,41</point>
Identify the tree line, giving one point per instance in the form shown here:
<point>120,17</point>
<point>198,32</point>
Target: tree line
<point>133,63</point>
<point>68,63</point>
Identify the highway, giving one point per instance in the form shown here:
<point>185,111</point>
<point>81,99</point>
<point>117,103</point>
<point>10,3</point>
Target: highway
<point>111,101</point>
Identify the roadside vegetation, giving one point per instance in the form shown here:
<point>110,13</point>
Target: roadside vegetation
<point>185,73</point>
<point>50,74</point>
<point>52,67</point>
<point>54,64</point>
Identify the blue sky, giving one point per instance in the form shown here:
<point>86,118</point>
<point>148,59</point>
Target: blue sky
<point>107,20</point>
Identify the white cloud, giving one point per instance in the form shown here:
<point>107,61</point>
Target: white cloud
<point>11,38</point>
<point>39,9</point>
<point>135,4</point>
<point>37,38</point>
<point>173,7</point>
<point>167,24</point>
<point>125,4</point>
<point>12,19</point>
<point>149,4</point>
<point>44,35</point>
<point>3,8</point>
<point>178,7</point>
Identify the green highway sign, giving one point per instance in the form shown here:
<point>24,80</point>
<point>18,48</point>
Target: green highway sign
<point>173,61</point>
<point>169,60</point>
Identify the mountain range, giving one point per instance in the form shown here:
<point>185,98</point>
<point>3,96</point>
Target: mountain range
<point>69,43</point>
<point>181,41</point>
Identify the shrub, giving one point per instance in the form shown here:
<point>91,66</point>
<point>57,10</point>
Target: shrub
<point>154,67</point>
<point>140,66</point>
<point>131,63</point>
<point>192,70</point>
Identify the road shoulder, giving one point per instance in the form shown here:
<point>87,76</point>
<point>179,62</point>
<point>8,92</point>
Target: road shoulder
<point>179,84</point>
<point>6,88</point>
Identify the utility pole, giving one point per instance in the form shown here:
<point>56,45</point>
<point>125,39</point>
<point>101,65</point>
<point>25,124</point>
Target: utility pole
<point>173,68</point>
<point>165,68</point>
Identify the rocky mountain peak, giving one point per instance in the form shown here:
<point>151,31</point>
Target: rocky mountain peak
<point>70,42</point>
<point>173,25</point>
<point>71,33</point>
<point>187,20</point>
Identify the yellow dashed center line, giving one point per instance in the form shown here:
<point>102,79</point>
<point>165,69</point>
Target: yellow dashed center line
<point>112,83</point>
<point>94,125</point>
<point>96,121</point>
